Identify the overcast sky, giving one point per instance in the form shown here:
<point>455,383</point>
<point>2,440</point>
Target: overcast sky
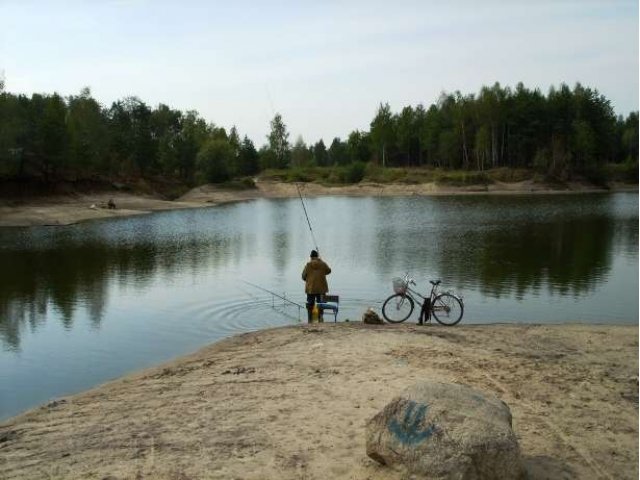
<point>324,65</point>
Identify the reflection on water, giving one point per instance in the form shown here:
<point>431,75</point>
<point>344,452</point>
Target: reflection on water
<point>130,292</point>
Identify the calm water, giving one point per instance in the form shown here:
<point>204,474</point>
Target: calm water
<point>86,303</point>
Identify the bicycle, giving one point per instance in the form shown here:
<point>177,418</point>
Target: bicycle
<point>447,308</point>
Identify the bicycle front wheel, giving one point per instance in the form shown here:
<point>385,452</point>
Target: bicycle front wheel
<point>397,308</point>
<point>447,309</point>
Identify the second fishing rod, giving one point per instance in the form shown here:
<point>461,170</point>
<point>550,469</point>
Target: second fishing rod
<point>304,208</point>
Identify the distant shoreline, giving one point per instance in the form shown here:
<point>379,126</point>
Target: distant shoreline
<point>70,209</point>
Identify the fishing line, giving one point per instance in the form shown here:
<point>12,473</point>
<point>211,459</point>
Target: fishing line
<point>273,293</point>
<point>315,242</point>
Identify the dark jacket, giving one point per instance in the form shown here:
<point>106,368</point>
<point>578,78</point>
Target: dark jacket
<point>315,276</point>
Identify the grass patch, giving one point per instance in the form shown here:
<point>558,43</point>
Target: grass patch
<point>378,174</point>
<point>510,175</point>
<point>371,173</point>
<point>461,178</point>
<point>243,183</point>
<point>296,174</point>
<point>626,172</point>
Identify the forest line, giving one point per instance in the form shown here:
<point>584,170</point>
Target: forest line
<point>563,133</point>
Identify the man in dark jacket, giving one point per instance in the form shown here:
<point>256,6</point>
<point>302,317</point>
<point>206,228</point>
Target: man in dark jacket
<point>315,277</point>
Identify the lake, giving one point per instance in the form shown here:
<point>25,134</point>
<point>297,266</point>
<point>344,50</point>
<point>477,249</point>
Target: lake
<point>86,303</point>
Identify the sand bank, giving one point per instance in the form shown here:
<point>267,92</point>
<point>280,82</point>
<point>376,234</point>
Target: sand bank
<point>292,403</point>
<point>65,210</point>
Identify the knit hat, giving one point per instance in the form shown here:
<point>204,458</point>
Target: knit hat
<point>314,254</point>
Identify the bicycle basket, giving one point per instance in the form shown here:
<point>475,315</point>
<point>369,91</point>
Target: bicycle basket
<point>399,285</point>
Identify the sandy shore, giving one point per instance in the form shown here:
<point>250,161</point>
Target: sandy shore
<point>65,210</point>
<point>291,403</point>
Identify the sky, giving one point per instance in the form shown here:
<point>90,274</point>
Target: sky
<point>325,66</point>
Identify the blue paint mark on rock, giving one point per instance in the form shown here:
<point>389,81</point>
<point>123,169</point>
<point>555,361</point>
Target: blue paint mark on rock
<point>409,432</point>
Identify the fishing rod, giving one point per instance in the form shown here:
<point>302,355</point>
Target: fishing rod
<point>344,299</point>
<point>315,242</point>
<point>273,293</point>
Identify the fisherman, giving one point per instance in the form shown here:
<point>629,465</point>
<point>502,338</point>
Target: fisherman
<point>315,277</point>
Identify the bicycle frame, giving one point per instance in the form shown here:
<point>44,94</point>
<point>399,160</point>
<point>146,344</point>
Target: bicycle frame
<point>425,308</point>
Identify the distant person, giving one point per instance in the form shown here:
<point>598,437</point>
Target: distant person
<point>315,277</point>
<point>111,204</point>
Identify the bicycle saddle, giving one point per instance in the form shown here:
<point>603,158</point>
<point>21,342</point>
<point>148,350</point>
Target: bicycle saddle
<point>436,283</point>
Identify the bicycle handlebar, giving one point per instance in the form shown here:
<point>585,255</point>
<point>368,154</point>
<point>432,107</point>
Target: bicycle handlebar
<point>410,281</point>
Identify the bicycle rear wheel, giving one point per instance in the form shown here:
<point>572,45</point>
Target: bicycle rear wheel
<point>447,309</point>
<point>397,308</point>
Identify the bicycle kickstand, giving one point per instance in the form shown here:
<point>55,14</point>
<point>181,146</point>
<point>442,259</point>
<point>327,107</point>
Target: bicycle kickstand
<point>425,313</point>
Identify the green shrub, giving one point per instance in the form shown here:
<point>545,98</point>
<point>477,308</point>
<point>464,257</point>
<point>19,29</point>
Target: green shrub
<point>623,172</point>
<point>243,183</point>
<point>597,175</point>
<point>335,175</point>
<point>275,175</point>
<point>355,172</point>
<point>299,174</point>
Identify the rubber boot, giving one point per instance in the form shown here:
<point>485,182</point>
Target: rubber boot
<point>309,314</point>
<point>320,311</point>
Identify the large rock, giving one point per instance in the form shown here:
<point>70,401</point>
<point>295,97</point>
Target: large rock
<point>446,431</point>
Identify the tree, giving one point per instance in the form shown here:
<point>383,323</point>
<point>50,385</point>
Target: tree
<point>214,160</point>
<point>248,158</point>
<point>234,142</point>
<point>267,158</point>
<point>320,155</point>
<point>584,144</point>
<point>449,148</point>
<point>406,134</point>
<point>279,142</point>
<point>382,131</point>
<point>165,129</point>
<point>462,118</point>
<point>562,114</point>
<point>528,126</point>
<point>594,111</point>
<point>193,134</point>
<point>338,152</point>
<point>482,147</point>
<point>121,138</point>
<point>88,135</point>
<point>629,138</point>
<point>429,134</point>
<point>566,131</point>
<point>234,138</point>
<point>14,133</point>
<point>491,112</point>
<point>358,147</point>
<point>144,146</point>
<point>54,136</point>
<point>301,155</point>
